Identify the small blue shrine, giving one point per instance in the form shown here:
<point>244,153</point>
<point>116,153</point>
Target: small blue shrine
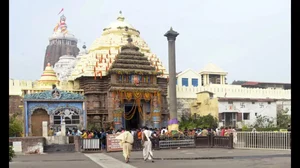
<point>53,106</point>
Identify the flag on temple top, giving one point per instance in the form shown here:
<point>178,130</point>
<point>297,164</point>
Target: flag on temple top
<point>62,9</point>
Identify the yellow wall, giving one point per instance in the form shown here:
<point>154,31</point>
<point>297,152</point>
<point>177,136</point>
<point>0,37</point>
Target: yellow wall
<point>205,105</point>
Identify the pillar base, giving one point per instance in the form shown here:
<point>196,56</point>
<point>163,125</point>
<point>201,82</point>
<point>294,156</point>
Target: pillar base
<point>173,125</point>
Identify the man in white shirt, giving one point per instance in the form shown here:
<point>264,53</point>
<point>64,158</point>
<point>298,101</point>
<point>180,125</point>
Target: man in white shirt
<point>147,150</point>
<point>163,131</point>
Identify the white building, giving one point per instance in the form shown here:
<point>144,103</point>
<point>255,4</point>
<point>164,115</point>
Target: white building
<point>239,111</point>
<point>189,78</point>
<point>213,79</point>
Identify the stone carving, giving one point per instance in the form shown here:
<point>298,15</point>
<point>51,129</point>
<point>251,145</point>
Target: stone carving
<point>64,67</point>
<point>31,110</point>
<point>55,94</point>
<point>48,95</point>
<point>67,110</point>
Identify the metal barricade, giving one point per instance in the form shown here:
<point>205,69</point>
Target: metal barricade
<point>90,144</point>
<point>176,143</point>
<point>263,140</point>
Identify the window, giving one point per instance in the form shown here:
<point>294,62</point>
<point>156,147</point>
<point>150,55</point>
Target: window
<point>185,81</point>
<point>255,114</point>
<point>269,102</point>
<point>253,102</point>
<point>176,81</point>
<point>195,82</point>
<point>230,102</point>
<point>70,116</point>
<point>246,116</point>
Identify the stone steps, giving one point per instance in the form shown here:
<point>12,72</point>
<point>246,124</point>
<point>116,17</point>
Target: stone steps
<point>59,148</point>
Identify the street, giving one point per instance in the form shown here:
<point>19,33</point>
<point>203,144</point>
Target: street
<point>192,158</point>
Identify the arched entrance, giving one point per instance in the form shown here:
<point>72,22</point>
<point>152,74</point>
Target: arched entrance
<point>37,118</point>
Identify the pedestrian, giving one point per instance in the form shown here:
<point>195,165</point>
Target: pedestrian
<point>126,141</point>
<point>147,145</point>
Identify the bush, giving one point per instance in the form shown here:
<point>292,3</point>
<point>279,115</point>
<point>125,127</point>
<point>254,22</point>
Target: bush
<point>11,153</point>
<point>190,122</point>
<point>245,128</point>
<point>15,126</point>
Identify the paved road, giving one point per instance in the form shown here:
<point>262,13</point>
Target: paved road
<point>164,159</point>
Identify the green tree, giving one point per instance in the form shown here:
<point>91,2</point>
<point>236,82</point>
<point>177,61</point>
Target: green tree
<point>15,126</point>
<point>283,118</point>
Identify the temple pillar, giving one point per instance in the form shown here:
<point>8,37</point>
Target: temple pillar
<point>171,36</point>
<point>222,79</point>
<point>156,119</point>
<point>207,79</point>
<point>45,129</point>
<point>63,127</point>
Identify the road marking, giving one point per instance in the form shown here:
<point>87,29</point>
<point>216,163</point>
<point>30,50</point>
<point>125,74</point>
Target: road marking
<point>106,161</point>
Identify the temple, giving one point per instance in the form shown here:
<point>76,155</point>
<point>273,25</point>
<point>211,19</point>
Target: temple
<point>60,43</point>
<point>125,85</point>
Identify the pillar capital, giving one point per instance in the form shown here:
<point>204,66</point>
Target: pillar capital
<point>171,35</point>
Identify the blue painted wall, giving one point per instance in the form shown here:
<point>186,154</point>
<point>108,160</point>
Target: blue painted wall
<point>50,107</point>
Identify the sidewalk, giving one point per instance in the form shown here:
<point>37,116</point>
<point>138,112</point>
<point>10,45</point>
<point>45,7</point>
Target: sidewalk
<point>204,153</point>
<point>54,160</point>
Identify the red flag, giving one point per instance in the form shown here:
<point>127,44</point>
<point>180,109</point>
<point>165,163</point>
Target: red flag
<point>61,11</point>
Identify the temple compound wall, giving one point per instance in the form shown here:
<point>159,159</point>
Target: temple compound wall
<point>53,106</point>
<point>232,91</point>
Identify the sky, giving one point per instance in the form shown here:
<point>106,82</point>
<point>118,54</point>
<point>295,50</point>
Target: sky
<point>249,39</point>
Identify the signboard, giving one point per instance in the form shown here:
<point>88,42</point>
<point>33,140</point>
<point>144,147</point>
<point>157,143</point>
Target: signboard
<point>283,130</point>
<point>17,146</point>
<point>112,143</point>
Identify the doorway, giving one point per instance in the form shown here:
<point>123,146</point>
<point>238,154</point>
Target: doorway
<point>230,119</point>
<point>37,118</point>
<point>134,122</point>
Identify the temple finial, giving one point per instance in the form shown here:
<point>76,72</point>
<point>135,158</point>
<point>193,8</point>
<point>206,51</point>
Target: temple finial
<point>120,17</point>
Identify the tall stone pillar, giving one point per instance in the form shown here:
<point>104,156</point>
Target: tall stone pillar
<point>171,36</point>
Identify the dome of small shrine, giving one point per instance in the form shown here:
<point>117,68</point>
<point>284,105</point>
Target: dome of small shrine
<point>48,75</point>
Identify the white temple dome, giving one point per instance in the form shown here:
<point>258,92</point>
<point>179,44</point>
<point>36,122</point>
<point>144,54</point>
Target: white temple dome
<point>64,67</point>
